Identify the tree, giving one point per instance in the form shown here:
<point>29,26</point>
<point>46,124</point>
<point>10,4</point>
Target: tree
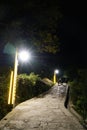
<point>78,92</point>
<point>36,21</point>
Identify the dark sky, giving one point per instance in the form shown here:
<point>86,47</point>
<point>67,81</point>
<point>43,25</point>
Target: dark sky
<point>72,33</point>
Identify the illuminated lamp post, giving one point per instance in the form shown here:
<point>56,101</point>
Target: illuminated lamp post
<point>15,78</point>
<point>10,88</point>
<point>54,77</point>
<point>24,56</point>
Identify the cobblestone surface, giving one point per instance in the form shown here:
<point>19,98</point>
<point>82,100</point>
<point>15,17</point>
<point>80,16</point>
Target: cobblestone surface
<point>47,112</point>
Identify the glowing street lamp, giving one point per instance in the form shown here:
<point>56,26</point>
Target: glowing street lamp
<point>15,78</point>
<point>54,77</point>
<point>24,56</point>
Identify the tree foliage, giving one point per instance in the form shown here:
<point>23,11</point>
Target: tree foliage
<point>79,92</point>
<point>4,86</point>
<point>35,22</point>
<point>29,86</point>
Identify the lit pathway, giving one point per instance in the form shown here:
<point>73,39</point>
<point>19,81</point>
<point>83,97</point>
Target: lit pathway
<point>46,112</point>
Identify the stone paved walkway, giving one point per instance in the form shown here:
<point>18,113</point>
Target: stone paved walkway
<point>46,112</point>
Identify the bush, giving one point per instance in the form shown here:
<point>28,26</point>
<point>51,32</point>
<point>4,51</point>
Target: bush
<point>4,86</point>
<point>29,86</point>
<point>40,87</point>
<point>79,93</point>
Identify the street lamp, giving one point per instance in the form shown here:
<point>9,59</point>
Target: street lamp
<point>54,77</point>
<point>15,78</point>
<point>24,56</point>
<point>10,88</point>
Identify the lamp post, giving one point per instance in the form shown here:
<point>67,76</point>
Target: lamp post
<point>54,77</point>
<point>24,56</point>
<point>15,78</point>
<point>10,88</point>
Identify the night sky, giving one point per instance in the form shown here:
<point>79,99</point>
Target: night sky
<point>72,32</point>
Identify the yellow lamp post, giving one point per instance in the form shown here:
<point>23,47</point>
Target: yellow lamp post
<point>54,76</point>
<point>15,78</point>
<point>10,88</point>
<point>24,56</point>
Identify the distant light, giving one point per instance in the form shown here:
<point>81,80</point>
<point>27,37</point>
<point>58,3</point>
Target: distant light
<point>24,56</point>
<point>56,71</point>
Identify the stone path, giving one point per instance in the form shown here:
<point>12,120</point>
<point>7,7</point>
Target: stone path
<point>47,112</point>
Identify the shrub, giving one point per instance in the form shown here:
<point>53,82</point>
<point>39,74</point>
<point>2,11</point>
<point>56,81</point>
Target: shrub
<point>79,93</point>
<point>29,86</point>
<point>4,86</point>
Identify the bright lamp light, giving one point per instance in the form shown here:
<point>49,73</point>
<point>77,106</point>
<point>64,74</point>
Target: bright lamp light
<point>24,56</point>
<point>56,71</point>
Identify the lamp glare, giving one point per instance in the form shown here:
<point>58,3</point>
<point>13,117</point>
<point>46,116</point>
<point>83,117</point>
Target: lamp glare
<point>24,56</point>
